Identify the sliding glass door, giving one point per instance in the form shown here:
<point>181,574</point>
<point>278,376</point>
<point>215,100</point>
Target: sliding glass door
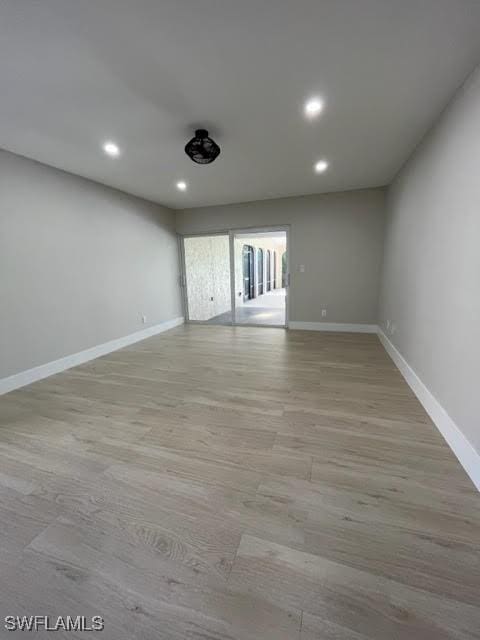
<point>239,277</point>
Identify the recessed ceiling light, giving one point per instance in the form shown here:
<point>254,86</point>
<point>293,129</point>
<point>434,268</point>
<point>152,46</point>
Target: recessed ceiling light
<point>182,185</point>
<point>111,149</point>
<point>321,166</point>
<point>313,107</point>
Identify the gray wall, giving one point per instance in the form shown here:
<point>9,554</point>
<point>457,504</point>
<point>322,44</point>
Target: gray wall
<point>79,264</point>
<point>338,237</point>
<point>431,272</point>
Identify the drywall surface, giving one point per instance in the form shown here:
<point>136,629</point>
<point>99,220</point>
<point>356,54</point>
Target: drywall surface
<point>338,238</point>
<point>431,275</point>
<point>80,264</point>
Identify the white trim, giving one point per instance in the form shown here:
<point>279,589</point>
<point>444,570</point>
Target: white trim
<point>56,366</point>
<point>468,457</point>
<point>333,326</point>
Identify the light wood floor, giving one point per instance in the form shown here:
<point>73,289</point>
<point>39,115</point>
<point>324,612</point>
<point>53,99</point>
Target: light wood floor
<point>236,483</point>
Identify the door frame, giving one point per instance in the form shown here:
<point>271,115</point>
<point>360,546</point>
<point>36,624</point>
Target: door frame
<point>269,270</point>
<point>251,272</point>
<point>231,233</point>
<point>260,267</point>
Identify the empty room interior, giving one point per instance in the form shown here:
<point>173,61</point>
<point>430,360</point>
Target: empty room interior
<point>239,319</point>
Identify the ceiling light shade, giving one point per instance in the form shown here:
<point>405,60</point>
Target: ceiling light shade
<point>182,185</point>
<point>321,166</point>
<point>313,107</point>
<point>202,149</point>
<point>111,149</point>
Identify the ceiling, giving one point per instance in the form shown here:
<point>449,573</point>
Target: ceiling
<point>145,73</point>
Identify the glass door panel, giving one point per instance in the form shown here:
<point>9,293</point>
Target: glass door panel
<point>259,292</point>
<point>207,279</point>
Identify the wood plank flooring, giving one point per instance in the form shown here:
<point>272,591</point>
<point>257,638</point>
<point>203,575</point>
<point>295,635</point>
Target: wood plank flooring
<point>219,483</point>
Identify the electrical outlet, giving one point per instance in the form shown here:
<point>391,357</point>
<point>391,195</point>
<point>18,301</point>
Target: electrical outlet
<point>301,268</point>
<point>324,313</point>
<point>144,319</point>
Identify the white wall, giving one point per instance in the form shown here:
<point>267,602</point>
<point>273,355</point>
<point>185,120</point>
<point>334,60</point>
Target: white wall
<point>207,265</point>
<point>431,273</point>
<point>338,237</point>
<point>79,264</point>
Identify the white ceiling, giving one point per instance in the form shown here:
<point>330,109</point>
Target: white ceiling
<point>145,73</point>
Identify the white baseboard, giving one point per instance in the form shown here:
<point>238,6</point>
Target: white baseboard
<point>468,457</point>
<point>56,366</point>
<point>332,326</point>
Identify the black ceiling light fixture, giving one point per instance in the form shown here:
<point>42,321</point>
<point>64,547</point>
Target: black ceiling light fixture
<point>202,149</point>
